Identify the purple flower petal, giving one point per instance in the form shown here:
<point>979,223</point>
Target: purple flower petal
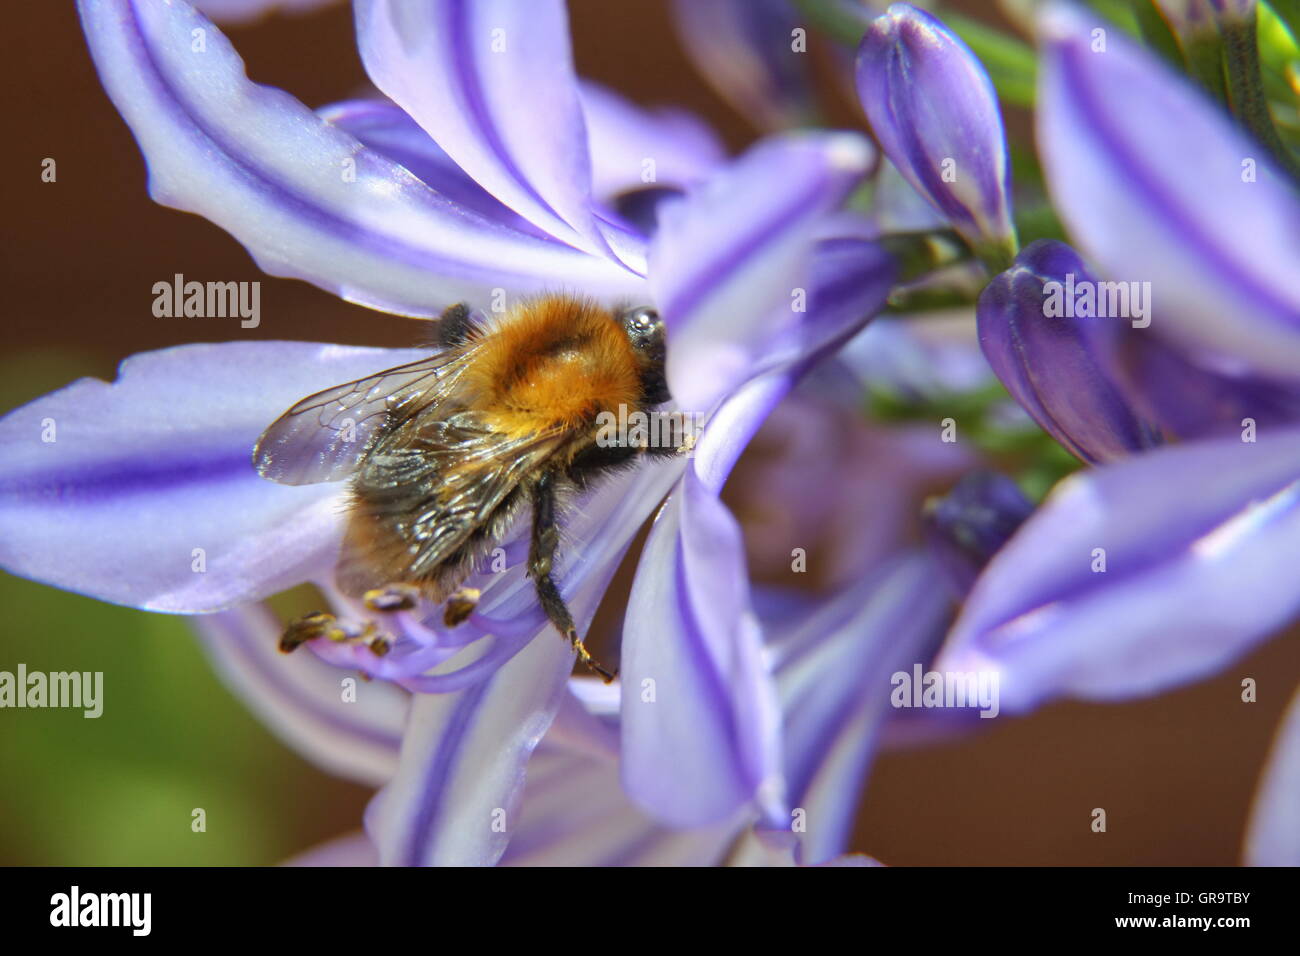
<point>1166,190</point>
<point>1273,838</point>
<point>933,109</point>
<point>1198,543</point>
<point>386,128</point>
<point>629,144</point>
<point>705,653</point>
<point>245,11</point>
<point>455,797</point>
<point>303,701</point>
<point>833,670</point>
<point>1187,399</point>
<point>747,49</point>
<point>492,82</point>
<point>304,197</point>
<point>729,262</point>
<point>1047,361</point>
<point>144,472</point>
<point>699,714</point>
<point>574,811</point>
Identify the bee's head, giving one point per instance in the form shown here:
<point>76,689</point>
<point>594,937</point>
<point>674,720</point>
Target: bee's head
<point>645,330</point>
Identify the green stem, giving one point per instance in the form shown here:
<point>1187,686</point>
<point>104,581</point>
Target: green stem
<point>1245,85</point>
<point>1206,54</point>
<point>920,253</point>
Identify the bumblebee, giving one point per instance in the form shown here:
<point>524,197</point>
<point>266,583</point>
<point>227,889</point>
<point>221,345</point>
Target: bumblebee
<point>445,453</point>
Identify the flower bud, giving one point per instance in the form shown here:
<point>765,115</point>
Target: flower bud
<point>966,527</point>
<point>932,107</point>
<point>1034,329</point>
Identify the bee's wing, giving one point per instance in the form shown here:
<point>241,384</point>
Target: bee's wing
<point>325,436</point>
<point>477,475</point>
<point>469,471</point>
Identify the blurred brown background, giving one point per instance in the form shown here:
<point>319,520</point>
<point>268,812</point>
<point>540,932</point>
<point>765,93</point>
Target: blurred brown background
<point>1175,774</point>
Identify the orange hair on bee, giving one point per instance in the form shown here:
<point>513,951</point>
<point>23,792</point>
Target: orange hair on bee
<point>554,363</point>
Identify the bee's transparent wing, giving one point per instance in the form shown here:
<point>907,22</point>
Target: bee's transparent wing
<point>325,436</point>
<point>458,473</point>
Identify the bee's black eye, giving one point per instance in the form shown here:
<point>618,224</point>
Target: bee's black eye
<point>643,326</point>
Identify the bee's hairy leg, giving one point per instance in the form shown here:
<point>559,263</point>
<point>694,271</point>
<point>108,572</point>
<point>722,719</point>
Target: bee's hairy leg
<point>541,554</point>
<point>460,606</point>
<point>308,628</point>
<point>391,598</point>
<point>318,624</point>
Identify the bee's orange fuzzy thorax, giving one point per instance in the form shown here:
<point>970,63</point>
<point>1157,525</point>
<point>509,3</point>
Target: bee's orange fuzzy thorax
<point>555,363</point>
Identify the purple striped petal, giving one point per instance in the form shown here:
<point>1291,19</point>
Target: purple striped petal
<point>628,144</point>
<point>492,82</point>
<point>933,109</point>
<point>833,670</point>
<point>699,724</point>
<point>1157,185</point>
<point>386,128</point>
<point>331,717</point>
<point>1273,837</point>
<point>1046,358</point>
<point>304,197</point>
<point>730,259</point>
<point>574,811</point>
<point>705,653</point>
<point>455,798</point>
<point>147,494</point>
<point>699,713</point>
<point>1199,544</point>
<point>747,49</point>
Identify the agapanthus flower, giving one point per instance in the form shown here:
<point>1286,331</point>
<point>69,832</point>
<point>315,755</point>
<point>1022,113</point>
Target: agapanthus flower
<point>1167,565</point>
<point>831,662</point>
<point>473,178</point>
<point>831,656</point>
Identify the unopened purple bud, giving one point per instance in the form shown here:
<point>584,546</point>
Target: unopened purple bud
<point>1034,329</point>
<point>933,109</point>
<point>966,527</point>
